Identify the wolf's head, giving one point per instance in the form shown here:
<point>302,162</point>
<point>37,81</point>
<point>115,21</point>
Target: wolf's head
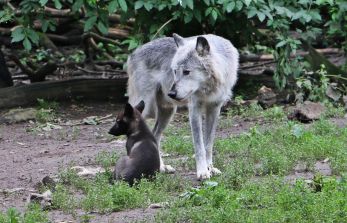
<point>188,67</point>
<point>127,121</point>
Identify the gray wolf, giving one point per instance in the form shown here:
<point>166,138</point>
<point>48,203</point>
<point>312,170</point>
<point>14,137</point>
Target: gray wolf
<point>142,150</point>
<point>199,72</point>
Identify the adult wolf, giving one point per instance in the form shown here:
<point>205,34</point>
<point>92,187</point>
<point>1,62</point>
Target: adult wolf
<point>198,71</point>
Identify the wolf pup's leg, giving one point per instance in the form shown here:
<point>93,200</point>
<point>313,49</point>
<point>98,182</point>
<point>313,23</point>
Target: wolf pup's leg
<point>126,170</point>
<point>211,121</point>
<point>195,118</point>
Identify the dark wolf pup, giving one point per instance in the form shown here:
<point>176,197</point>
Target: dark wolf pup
<point>142,158</point>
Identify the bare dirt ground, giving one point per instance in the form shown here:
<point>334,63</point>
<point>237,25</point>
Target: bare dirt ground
<point>28,155</point>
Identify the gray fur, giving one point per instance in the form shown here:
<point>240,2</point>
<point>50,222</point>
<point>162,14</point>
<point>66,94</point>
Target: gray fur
<point>198,71</point>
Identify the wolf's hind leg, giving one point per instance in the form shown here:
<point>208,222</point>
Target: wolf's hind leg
<point>164,115</point>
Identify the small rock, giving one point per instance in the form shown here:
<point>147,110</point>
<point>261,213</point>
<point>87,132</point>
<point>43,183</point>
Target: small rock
<point>300,167</point>
<point>119,142</point>
<point>333,92</point>
<point>344,99</point>
<point>44,199</point>
<point>266,97</point>
<point>18,115</point>
<point>307,112</point>
<point>326,160</point>
<point>88,171</point>
<point>47,181</point>
<point>158,205</point>
<point>323,168</point>
<point>13,190</point>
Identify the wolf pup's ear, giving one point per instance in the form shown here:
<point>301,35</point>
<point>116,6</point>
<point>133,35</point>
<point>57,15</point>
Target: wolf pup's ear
<point>140,106</point>
<point>202,46</point>
<point>128,110</point>
<point>179,40</point>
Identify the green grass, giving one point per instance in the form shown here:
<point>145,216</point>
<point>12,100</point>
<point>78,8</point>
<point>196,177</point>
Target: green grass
<point>177,140</point>
<point>102,196</point>
<point>278,149</point>
<point>266,200</point>
<point>252,187</point>
<point>33,214</point>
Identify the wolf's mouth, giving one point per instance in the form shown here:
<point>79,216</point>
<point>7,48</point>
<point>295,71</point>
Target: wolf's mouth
<point>185,97</point>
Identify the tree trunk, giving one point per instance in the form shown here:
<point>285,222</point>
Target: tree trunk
<point>5,76</point>
<point>95,89</point>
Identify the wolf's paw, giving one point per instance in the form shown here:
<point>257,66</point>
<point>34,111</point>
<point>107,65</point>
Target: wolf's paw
<point>167,169</point>
<point>203,175</point>
<point>214,171</point>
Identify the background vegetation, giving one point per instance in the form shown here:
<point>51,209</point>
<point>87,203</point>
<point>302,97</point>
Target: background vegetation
<point>115,27</point>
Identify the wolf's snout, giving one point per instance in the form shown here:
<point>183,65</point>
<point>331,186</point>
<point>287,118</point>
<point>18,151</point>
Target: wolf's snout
<point>173,92</point>
<point>113,130</point>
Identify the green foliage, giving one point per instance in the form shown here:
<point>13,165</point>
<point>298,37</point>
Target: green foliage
<point>78,56</point>
<point>255,111</point>
<point>62,199</point>
<point>313,86</point>
<point>46,111</point>
<point>337,24</point>
<point>33,214</point>
<point>241,21</point>
<point>43,104</point>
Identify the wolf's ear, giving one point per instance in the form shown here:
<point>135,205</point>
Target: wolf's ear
<point>179,40</point>
<point>140,106</point>
<point>128,110</point>
<point>202,46</point>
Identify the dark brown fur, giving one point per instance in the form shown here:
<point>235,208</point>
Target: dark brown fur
<point>142,158</point>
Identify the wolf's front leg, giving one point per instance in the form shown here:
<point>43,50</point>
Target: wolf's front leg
<point>211,121</point>
<point>195,118</point>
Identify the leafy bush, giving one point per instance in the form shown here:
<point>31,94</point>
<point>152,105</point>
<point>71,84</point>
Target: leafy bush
<point>289,23</point>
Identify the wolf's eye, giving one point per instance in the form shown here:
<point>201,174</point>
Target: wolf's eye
<point>186,72</point>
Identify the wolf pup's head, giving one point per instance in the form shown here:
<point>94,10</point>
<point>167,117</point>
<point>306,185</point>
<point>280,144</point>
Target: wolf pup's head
<point>188,66</point>
<point>127,121</point>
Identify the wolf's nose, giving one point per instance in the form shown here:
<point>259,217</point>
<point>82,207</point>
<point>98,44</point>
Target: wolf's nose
<point>172,94</point>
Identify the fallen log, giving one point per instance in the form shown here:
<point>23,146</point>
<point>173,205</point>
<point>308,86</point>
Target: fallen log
<point>81,89</point>
<point>65,40</point>
<point>267,57</point>
<point>116,33</point>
